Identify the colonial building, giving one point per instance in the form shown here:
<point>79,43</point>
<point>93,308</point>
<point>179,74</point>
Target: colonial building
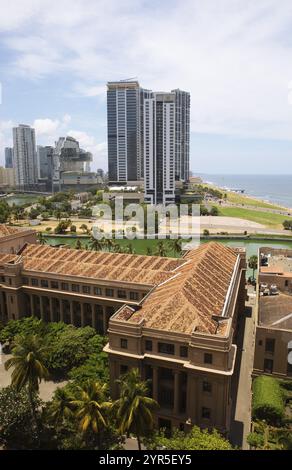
<point>274,313</point>
<point>182,335</point>
<point>12,239</point>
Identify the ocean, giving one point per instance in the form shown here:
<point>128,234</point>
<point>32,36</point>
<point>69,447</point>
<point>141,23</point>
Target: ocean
<point>276,189</point>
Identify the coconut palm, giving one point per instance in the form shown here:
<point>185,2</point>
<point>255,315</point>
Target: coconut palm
<point>134,407</point>
<point>149,251</point>
<point>160,249</point>
<point>96,244</point>
<point>175,245</point>
<point>29,369</point>
<point>91,407</point>
<point>61,406</point>
<point>41,239</point>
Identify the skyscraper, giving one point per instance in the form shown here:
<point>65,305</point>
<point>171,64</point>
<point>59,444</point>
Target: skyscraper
<point>182,135</point>
<point>8,157</point>
<point>25,157</point>
<point>159,148</point>
<point>125,129</point>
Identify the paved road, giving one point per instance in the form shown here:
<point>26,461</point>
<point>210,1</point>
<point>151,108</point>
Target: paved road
<point>46,388</point>
<point>241,422</point>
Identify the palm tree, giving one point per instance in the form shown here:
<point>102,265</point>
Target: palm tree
<point>84,228</point>
<point>160,249</point>
<point>91,407</point>
<point>29,369</point>
<point>95,244</point>
<point>149,251</point>
<point>41,239</point>
<point>78,244</point>
<point>175,246</point>
<point>253,263</point>
<point>61,406</point>
<point>134,407</point>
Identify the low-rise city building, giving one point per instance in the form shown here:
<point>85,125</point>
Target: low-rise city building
<point>274,313</point>
<point>12,239</point>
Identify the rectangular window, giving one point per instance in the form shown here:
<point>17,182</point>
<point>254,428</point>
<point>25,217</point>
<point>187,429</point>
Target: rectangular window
<point>123,369</point>
<point>166,348</point>
<point>97,291</point>
<point>34,282</point>
<point>124,343</point>
<point>109,292</point>
<point>134,296</point>
<point>268,365</point>
<point>270,345</point>
<point>183,351</point>
<point>207,386</point>
<point>148,345</point>
<point>208,358</point>
<point>122,294</point>
<point>206,413</point>
<point>64,286</point>
<point>44,283</point>
<point>25,280</point>
<point>75,288</point>
<point>86,289</point>
<point>54,285</point>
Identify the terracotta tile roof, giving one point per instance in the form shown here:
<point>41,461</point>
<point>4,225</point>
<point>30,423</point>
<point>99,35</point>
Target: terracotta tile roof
<point>188,300</point>
<point>6,230</point>
<point>99,265</point>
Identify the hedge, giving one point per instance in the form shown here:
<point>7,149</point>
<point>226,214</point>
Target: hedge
<point>267,400</point>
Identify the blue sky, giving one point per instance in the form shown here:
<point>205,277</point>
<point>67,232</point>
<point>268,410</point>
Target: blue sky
<point>234,56</point>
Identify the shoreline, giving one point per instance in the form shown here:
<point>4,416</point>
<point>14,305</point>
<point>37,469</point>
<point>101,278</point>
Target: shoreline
<point>246,195</point>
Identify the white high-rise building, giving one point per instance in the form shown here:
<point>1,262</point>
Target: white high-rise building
<point>159,148</point>
<point>25,157</point>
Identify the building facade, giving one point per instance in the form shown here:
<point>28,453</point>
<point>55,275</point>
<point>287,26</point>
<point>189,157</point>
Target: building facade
<point>182,135</point>
<point>273,343</point>
<point>7,178</point>
<point>25,157</point>
<point>8,157</point>
<point>12,239</point>
<point>182,338</point>
<point>159,148</point>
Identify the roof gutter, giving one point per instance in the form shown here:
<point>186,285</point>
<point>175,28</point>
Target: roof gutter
<point>231,285</point>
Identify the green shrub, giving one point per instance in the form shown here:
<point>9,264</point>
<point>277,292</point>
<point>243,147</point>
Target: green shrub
<point>254,439</point>
<point>267,400</point>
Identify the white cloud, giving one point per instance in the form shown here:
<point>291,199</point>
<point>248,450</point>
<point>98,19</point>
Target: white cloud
<point>234,55</point>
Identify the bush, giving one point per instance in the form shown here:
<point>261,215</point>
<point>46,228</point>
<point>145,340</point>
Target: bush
<point>267,400</point>
<point>256,440</point>
<point>206,232</point>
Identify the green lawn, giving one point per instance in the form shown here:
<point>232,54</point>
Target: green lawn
<point>139,246</point>
<point>265,218</point>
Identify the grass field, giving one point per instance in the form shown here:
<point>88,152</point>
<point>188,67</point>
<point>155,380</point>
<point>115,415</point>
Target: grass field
<point>265,218</point>
<point>139,246</point>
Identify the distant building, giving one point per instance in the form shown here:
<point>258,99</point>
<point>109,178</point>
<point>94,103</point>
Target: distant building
<point>69,157</point>
<point>25,157</point>
<point>125,130</point>
<point>45,165</point>
<point>7,178</point>
<point>182,135</point>
<point>159,148</point>
<point>77,181</point>
<point>273,343</point>
<point>100,173</point>
<point>8,157</point>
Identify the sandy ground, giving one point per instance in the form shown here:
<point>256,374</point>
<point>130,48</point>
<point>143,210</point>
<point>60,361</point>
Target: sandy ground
<point>46,388</point>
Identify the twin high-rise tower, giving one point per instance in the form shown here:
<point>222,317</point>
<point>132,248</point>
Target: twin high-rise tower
<point>148,138</point>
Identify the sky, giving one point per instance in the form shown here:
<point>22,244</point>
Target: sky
<point>234,56</point>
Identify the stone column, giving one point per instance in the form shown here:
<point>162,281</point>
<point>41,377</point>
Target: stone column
<point>71,312</point>
<point>31,304</point>
<point>61,310</point>
<point>176,393</point>
<point>51,309</point>
<point>82,313</point>
<point>155,383</point>
<point>42,308</point>
<point>92,316</point>
<point>104,314</point>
